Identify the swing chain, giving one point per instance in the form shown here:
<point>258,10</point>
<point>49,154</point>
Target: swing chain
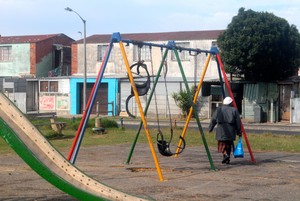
<point>162,144</point>
<point>155,95</point>
<point>167,92</point>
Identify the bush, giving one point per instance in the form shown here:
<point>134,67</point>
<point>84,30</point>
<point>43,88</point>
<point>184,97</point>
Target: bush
<point>108,123</point>
<point>105,123</point>
<point>184,100</point>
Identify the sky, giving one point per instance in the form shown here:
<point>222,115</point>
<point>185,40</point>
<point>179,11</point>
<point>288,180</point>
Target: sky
<point>35,17</point>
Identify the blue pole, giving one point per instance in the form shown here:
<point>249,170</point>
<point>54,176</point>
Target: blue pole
<point>91,101</point>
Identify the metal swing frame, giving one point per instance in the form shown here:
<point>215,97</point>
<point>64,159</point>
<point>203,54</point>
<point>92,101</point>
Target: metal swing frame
<point>163,145</point>
<point>116,38</point>
<point>172,46</point>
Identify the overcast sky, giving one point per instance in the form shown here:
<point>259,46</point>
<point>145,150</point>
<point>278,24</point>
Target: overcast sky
<point>32,17</point>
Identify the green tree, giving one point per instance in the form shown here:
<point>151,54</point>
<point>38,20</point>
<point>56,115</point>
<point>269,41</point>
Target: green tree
<point>260,46</point>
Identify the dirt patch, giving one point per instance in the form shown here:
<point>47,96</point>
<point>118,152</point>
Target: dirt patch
<point>275,176</point>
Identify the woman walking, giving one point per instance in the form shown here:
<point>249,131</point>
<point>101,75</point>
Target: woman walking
<point>227,119</point>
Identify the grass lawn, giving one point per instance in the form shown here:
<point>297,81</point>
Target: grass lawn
<point>115,135</point>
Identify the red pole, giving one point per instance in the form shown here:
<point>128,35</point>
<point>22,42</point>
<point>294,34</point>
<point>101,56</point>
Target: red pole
<point>80,127</point>
<point>85,111</point>
<point>234,104</point>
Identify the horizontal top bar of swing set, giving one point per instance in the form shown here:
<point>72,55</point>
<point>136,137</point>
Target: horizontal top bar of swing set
<point>116,37</point>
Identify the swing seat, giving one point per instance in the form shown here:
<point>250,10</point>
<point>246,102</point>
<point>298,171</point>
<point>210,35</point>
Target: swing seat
<point>141,87</point>
<point>145,84</point>
<point>164,148</point>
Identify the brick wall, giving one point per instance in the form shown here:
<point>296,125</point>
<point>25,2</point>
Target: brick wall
<point>32,58</point>
<point>74,62</point>
<point>46,46</point>
<point>43,49</point>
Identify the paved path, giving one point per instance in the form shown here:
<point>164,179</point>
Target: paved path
<point>276,128</point>
<point>275,176</point>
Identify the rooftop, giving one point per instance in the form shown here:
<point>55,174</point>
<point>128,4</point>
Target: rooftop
<point>162,36</point>
<point>25,38</point>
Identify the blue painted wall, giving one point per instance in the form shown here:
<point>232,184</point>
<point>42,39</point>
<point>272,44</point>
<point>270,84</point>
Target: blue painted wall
<point>75,93</point>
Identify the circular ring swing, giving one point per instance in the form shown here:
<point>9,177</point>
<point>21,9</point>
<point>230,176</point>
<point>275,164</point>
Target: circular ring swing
<point>142,88</point>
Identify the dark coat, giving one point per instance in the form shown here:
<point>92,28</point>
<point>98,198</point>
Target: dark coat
<point>228,123</point>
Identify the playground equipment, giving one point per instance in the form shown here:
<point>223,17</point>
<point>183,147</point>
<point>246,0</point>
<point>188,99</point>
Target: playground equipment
<point>222,74</point>
<point>141,89</point>
<point>37,152</point>
<point>162,144</point>
<point>116,38</point>
<point>45,160</point>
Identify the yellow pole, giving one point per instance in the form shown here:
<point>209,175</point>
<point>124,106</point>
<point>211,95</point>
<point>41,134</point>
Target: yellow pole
<point>195,101</point>
<point>141,111</point>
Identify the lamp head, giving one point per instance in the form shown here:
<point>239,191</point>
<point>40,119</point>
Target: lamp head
<point>68,9</point>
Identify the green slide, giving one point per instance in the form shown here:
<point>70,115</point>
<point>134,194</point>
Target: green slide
<point>45,160</point>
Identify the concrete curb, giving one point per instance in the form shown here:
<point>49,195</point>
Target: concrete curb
<point>280,126</point>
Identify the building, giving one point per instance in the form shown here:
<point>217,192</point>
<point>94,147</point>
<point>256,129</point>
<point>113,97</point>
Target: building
<point>29,58</point>
<point>96,46</point>
<point>35,55</point>
<point>39,70</point>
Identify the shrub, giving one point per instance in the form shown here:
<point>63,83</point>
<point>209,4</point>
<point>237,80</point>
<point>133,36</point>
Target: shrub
<point>108,123</point>
<point>183,100</point>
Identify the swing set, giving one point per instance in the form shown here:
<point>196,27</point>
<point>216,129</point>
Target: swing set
<point>140,88</point>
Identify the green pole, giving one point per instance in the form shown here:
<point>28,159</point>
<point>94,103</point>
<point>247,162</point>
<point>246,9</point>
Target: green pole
<point>194,109</point>
<point>147,104</point>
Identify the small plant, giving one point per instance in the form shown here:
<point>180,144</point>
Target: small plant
<point>108,123</point>
<point>183,100</point>
<point>105,123</point>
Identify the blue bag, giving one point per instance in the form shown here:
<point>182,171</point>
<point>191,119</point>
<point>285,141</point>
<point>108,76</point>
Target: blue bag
<point>239,151</point>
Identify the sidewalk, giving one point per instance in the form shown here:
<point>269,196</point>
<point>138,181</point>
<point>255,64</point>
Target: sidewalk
<point>267,126</point>
<point>278,126</point>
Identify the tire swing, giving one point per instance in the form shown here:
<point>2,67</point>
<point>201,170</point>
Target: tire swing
<point>143,86</point>
<point>162,144</point>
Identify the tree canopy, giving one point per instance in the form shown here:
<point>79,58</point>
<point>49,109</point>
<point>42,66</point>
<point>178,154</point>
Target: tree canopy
<point>260,46</point>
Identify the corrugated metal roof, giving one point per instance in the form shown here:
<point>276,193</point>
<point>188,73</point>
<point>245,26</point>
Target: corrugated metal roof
<point>261,92</point>
<point>25,39</point>
<point>163,36</point>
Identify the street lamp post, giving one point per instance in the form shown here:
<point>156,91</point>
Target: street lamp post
<point>84,55</point>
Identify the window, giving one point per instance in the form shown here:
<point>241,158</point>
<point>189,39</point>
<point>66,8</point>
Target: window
<point>48,86</point>
<point>143,51</point>
<point>101,51</point>
<point>183,55</point>
<point>214,44</point>
<point>5,53</point>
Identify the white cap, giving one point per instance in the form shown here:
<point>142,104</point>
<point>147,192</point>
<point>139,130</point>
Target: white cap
<point>227,101</point>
